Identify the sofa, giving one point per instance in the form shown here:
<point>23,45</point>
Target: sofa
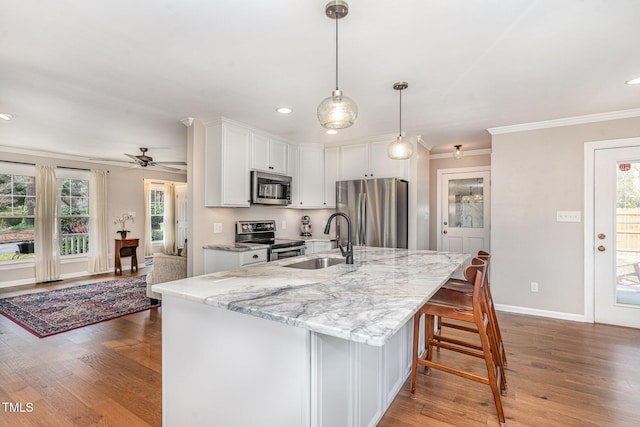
<point>165,269</point>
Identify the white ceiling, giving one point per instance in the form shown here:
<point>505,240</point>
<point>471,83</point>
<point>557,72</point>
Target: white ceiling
<point>101,78</point>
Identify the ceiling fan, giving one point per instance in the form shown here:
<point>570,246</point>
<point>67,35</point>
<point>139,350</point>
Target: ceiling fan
<point>143,160</point>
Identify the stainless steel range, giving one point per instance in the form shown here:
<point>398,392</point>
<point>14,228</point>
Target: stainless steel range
<point>264,232</point>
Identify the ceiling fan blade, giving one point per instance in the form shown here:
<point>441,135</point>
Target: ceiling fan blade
<point>132,157</point>
<point>171,163</point>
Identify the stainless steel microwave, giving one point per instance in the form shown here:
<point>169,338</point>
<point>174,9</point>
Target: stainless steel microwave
<point>270,189</point>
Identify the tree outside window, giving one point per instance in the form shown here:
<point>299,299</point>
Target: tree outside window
<point>73,213</point>
<point>17,207</point>
<point>157,215</point>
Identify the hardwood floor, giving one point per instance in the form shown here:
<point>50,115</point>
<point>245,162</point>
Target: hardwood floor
<point>560,373</point>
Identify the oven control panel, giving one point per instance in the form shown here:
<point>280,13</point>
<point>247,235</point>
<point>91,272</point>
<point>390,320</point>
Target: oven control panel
<point>244,227</point>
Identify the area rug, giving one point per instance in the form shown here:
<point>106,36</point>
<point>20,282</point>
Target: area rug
<point>61,310</point>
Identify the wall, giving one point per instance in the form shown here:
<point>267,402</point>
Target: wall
<point>125,194</point>
<point>466,161</point>
<point>534,174</point>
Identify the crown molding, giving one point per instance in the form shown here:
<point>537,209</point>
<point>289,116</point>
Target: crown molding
<point>481,152</point>
<point>567,121</point>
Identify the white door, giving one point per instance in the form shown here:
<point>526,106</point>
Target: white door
<point>464,201</point>
<point>617,236</point>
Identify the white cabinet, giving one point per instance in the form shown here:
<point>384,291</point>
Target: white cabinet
<point>331,175</point>
<point>227,150</point>
<point>311,177</point>
<point>370,160</point>
<point>220,260</point>
<point>354,161</point>
<point>316,172</point>
<point>268,153</point>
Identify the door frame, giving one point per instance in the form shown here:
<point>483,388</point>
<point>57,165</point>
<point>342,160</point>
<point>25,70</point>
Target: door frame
<point>589,217</point>
<point>441,173</point>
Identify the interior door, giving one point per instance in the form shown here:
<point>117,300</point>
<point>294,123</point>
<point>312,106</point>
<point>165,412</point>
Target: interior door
<point>617,236</point>
<point>464,213</point>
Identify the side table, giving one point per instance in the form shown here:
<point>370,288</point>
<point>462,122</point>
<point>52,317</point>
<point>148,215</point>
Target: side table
<point>125,248</point>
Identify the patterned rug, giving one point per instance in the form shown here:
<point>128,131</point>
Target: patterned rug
<point>61,310</point>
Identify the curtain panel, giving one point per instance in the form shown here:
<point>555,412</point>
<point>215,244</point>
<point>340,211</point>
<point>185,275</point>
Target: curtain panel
<point>47,253</point>
<point>169,218</point>
<point>98,223</point>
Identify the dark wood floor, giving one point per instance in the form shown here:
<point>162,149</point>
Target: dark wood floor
<point>560,373</point>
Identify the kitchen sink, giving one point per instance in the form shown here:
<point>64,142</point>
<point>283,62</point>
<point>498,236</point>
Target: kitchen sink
<point>316,263</point>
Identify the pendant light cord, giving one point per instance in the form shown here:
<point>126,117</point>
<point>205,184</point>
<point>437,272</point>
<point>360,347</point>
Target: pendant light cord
<point>337,51</point>
<point>400,112</point>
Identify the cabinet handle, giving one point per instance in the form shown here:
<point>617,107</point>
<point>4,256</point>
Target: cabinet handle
<point>255,257</point>
<point>270,167</point>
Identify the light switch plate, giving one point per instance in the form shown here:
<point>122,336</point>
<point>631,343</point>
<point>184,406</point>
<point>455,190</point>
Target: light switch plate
<point>217,227</point>
<point>568,216</point>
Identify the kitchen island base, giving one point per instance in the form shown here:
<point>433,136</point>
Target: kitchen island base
<point>225,368</point>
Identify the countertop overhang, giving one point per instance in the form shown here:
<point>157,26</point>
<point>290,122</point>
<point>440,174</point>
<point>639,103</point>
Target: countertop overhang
<point>366,302</point>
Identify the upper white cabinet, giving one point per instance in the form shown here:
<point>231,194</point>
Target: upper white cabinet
<point>227,151</point>
<point>370,160</point>
<point>311,177</point>
<point>268,153</point>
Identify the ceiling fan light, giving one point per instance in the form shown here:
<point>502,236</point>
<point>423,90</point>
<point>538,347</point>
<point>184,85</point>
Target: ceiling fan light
<point>6,116</point>
<point>337,111</point>
<point>400,149</point>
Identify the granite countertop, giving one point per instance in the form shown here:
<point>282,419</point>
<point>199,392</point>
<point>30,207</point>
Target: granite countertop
<point>366,302</point>
<point>235,247</point>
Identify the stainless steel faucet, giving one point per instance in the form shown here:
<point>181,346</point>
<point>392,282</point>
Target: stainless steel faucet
<point>348,253</point>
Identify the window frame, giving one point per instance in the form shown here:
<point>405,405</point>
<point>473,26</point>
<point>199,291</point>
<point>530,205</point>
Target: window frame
<point>159,188</point>
<point>76,175</point>
<point>16,169</point>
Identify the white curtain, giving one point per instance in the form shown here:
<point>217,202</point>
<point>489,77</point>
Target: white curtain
<point>169,218</point>
<point>98,222</point>
<point>47,250</point>
<point>148,247</point>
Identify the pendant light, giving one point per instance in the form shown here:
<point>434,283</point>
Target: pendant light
<point>457,152</point>
<point>337,111</point>
<point>400,149</point>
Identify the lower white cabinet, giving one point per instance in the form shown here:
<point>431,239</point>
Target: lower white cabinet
<point>220,260</point>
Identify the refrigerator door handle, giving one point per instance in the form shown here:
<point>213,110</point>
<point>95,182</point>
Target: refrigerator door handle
<point>363,219</point>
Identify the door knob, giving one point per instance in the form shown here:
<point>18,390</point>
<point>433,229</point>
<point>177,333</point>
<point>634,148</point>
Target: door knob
<point>601,248</point>
<point>601,236</point>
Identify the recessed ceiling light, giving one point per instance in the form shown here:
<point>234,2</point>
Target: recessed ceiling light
<point>284,110</point>
<point>6,116</point>
<point>635,81</point>
<point>331,131</point>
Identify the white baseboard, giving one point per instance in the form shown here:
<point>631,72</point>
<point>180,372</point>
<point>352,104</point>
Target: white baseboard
<point>541,313</point>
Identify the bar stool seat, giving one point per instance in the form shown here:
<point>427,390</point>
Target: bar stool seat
<point>464,286</point>
<point>469,308</point>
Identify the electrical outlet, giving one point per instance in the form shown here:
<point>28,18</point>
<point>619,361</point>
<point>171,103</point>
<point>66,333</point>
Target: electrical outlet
<point>283,225</point>
<point>217,227</point>
<point>534,287</point>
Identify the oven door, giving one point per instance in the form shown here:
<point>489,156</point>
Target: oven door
<point>282,253</point>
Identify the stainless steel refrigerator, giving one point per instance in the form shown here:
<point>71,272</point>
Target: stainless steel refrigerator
<point>377,209</point>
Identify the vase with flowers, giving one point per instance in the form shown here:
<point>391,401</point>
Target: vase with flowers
<point>122,220</point>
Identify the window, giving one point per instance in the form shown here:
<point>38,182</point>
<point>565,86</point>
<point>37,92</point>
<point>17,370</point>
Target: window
<point>17,207</point>
<point>157,215</point>
<point>73,215</point>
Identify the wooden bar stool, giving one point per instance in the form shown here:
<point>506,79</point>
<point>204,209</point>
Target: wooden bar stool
<point>464,286</point>
<point>468,308</point>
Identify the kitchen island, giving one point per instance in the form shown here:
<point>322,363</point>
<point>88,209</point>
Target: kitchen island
<point>272,345</point>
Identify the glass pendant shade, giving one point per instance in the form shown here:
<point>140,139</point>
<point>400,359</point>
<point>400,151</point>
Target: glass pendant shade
<point>337,111</point>
<point>457,153</point>
<point>400,149</point>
